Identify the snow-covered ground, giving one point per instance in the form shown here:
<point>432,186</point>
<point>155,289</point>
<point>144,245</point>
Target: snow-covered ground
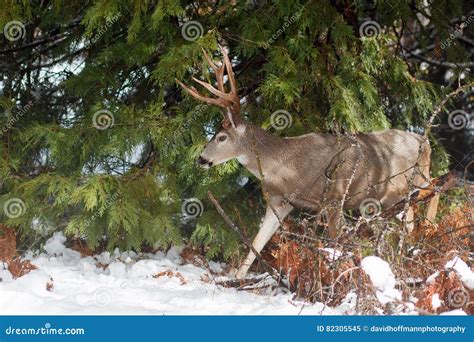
<point>127,286</point>
<point>123,283</point>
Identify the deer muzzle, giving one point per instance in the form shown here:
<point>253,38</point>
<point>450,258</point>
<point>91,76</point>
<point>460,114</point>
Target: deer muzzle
<point>204,163</point>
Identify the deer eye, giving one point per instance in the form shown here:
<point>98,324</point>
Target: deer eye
<point>222,138</point>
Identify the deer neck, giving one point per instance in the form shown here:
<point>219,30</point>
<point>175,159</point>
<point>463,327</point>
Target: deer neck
<point>259,148</point>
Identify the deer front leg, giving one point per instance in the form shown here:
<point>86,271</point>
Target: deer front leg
<point>268,227</point>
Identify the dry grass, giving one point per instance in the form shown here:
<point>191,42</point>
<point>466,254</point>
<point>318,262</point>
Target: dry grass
<point>315,275</point>
<point>16,266</point>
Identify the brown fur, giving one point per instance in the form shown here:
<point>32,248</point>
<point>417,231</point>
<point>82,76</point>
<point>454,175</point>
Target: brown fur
<point>313,171</point>
<point>320,171</point>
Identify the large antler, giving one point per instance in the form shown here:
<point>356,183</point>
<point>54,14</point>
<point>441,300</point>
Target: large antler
<point>228,100</point>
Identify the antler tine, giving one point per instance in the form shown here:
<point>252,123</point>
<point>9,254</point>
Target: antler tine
<point>225,96</point>
<point>230,72</point>
<point>229,100</point>
<point>218,71</point>
<point>191,90</point>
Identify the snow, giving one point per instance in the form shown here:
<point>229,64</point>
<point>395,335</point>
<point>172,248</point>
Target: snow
<point>121,282</point>
<point>463,271</point>
<point>55,245</point>
<point>82,286</point>
<point>457,312</point>
<point>382,278</point>
<point>436,301</point>
<point>432,278</point>
<point>333,254</point>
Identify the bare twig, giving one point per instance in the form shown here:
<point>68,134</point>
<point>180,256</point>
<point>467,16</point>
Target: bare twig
<point>274,273</point>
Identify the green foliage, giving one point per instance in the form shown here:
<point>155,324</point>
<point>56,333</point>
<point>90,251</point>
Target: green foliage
<point>127,182</point>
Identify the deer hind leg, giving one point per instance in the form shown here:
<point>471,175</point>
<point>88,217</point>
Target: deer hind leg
<point>432,209</point>
<point>410,219</point>
<point>334,222</point>
<point>268,227</point>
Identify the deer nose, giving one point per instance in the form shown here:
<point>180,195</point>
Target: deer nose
<point>203,162</point>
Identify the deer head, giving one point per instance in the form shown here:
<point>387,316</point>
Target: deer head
<point>225,144</point>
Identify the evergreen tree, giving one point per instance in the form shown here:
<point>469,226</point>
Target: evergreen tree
<point>98,140</point>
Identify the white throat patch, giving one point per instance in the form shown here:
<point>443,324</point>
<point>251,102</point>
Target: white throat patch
<point>243,159</point>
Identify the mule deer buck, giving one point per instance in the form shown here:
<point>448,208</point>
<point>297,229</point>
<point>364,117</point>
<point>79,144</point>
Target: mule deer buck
<point>315,171</point>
